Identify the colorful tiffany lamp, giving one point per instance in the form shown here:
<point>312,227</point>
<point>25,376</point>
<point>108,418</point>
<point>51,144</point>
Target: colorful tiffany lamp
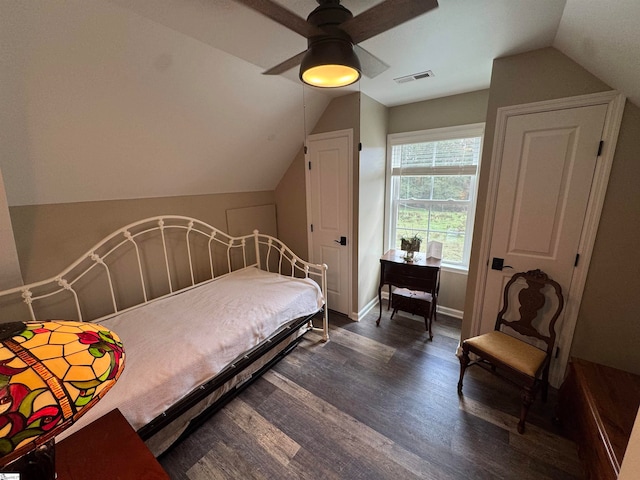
<point>51,373</point>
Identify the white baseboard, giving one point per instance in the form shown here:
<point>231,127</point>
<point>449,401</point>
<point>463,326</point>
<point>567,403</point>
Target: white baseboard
<point>366,309</point>
<point>451,312</point>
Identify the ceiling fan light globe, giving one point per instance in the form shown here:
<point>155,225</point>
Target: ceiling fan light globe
<point>330,63</point>
<point>330,76</point>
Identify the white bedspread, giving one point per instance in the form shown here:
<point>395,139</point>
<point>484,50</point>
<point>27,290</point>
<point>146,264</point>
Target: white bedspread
<point>177,343</point>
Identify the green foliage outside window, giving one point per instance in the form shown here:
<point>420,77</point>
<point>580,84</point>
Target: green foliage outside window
<point>445,223</point>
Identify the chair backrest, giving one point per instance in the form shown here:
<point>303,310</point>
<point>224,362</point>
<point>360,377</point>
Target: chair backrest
<point>531,292</point>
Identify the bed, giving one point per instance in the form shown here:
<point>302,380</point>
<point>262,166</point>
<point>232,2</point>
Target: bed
<point>200,314</point>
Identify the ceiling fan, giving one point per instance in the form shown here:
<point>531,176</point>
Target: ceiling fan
<point>333,57</point>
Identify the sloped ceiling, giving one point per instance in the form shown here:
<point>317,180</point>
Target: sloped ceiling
<point>102,103</point>
<point>604,37</point>
<point>116,99</point>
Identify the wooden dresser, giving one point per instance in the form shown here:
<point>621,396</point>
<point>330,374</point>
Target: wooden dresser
<point>598,406</point>
<point>107,449</point>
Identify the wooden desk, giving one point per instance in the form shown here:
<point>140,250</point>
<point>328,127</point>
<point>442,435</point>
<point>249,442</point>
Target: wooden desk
<point>106,449</point>
<point>416,275</point>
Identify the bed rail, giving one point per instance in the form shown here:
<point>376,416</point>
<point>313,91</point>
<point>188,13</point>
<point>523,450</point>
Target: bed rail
<point>148,260</point>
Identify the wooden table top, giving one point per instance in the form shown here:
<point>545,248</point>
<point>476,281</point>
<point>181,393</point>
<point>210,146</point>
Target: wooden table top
<point>106,449</point>
<point>397,256</point>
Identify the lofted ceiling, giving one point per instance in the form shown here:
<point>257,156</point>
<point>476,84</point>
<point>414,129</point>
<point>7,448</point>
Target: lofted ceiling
<point>114,99</point>
<point>457,41</point>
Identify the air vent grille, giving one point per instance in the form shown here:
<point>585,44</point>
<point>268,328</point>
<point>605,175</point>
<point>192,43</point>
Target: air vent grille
<point>414,76</point>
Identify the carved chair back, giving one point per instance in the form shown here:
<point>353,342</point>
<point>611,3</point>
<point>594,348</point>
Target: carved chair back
<point>532,304</point>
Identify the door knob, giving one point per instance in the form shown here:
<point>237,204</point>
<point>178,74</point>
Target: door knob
<point>342,241</point>
<point>498,264</point>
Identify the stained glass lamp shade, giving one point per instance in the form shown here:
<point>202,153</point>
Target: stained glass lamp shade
<point>51,373</point>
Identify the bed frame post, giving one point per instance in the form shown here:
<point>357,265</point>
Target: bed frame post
<point>255,237</point>
<point>325,323</point>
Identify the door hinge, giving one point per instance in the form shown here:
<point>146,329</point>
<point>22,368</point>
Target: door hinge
<point>312,228</point>
<point>575,264</point>
<point>600,146</point>
<point>360,146</point>
<point>309,165</point>
<point>305,150</point>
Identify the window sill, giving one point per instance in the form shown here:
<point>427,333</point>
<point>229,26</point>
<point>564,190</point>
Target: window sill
<point>459,269</point>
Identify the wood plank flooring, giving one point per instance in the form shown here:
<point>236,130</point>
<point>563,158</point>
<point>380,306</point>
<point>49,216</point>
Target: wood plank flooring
<point>376,403</point>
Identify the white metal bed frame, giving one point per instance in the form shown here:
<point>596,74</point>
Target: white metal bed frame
<point>267,250</point>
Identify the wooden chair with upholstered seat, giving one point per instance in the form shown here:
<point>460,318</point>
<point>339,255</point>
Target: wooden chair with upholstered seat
<point>521,346</point>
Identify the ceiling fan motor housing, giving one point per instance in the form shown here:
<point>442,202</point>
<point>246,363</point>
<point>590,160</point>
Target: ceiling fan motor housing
<point>328,16</point>
<point>329,12</point>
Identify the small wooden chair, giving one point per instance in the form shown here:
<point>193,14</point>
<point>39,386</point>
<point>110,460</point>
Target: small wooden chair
<point>518,360</point>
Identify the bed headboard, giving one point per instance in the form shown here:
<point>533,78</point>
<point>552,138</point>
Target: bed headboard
<point>146,260</point>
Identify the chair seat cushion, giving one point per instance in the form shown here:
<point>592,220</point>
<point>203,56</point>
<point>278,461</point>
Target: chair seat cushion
<point>515,353</point>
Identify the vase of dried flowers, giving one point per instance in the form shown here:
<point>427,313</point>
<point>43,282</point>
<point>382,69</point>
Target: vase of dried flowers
<point>411,245</point>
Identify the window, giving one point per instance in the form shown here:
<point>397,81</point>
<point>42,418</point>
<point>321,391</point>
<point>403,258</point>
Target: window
<point>432,188</point>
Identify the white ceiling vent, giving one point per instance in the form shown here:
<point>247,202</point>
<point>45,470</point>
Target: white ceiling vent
<point>414,76</point>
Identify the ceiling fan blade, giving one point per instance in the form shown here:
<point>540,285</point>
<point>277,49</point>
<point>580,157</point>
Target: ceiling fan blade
<point>286,65</point>
<point>385,16</point>
<point>282,15</point>
<point>371,65</point>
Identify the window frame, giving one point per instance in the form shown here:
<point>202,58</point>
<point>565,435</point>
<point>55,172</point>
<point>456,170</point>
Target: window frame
<point>424,136</point>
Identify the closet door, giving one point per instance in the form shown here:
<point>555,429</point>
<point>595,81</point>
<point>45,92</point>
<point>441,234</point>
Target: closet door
<point>329,207</point>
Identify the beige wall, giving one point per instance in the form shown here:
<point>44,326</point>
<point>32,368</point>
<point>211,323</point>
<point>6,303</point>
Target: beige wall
<point>340,114</point>
<point>441,112</point>
<point>371,195</point>
<point>608,327</point>
<point>369,128</point>
<point>10,275</point>
<point>291,207</point>
<point>450,111</point>
<point>50,237</point>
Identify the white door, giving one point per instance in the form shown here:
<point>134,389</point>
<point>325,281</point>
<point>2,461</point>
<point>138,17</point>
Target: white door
<point>329,207</point>
<point>548,163</point>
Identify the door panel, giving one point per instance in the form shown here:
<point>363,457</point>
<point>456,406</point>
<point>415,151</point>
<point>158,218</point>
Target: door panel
<point>330,156</point>
<point>548,163</point>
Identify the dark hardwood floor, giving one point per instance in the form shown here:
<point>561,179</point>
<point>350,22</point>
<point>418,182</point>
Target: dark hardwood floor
<point>376,403</point>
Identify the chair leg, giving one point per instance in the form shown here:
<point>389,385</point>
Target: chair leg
<point>527,399</point>
<point>545,384</point>
<point>464,362</point>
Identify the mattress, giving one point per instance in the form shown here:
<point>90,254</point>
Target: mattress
<point>175,344</point>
